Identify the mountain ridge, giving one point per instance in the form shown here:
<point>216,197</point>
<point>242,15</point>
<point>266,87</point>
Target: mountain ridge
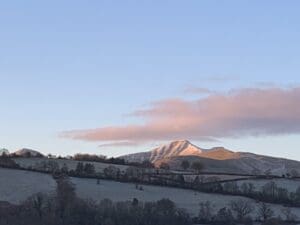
<point>216,159</point>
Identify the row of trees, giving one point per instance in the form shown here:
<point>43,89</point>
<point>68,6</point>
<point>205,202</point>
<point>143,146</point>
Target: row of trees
<point>185,165</point>
<point>197,165</point>
<point>243,212</point>
<point>269,192</point>
<point>7,162</point>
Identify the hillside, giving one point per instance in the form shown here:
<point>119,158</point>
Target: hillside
<point>24,152</point>
<point>17,185</point>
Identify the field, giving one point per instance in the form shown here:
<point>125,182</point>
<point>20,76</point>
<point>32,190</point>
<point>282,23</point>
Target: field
<point>17,185</point>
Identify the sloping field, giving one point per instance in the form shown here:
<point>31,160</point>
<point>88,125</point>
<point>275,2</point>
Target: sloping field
<point>17,185</point>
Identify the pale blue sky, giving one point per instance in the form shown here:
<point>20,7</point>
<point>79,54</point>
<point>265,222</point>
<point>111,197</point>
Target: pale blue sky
<point>84,64</point>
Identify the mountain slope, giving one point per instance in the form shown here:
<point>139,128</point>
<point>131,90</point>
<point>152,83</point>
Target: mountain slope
<point>216,159</point>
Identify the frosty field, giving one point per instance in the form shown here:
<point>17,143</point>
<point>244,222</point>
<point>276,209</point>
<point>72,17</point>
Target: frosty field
<point>17,185</point>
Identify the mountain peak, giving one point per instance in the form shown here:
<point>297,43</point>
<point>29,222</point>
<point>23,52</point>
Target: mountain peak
<point>180,148</point>
<point>174,148</point>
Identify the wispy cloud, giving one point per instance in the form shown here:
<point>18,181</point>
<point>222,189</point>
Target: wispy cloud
<point>244,112</point>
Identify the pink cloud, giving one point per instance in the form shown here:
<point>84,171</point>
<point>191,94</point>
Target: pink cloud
<point>244,112</point>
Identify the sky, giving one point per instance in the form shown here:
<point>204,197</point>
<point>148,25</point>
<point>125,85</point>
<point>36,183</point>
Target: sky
<point>117,77</point>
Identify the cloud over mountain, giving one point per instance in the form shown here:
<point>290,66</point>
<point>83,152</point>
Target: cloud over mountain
<point>243,112</point>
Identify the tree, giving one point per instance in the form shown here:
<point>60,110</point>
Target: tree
<point>224,216</point>
<point>206,210</point>
<point>264,211</point>
<point>180,178</point>
<point>64,169</point>
<point>79,168</point>
<point>247,188</point>
<point>196,181</point>
<point>65,195</point>
<point>89,168</point>
<point>166,206</point>
<point>289,215</point>
<point>197,166</point>
<point>38,202</point>
<point>270,190</point>
<point>296,195</point>
<point>241,208</point>
<point>231,187</point>
<point>185,164</point>
<point>112,172</point>
<point>135,202</point>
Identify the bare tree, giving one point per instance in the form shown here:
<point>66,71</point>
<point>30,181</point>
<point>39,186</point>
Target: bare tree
<point>289,215</point>
<point>65,195</point>
<point>38,203</point>
<point>264,211</point>
<point>270,189</point>
<point>247,188</point>
<point>206,211</point>
<point>241,208</point>
<point>224,216</point>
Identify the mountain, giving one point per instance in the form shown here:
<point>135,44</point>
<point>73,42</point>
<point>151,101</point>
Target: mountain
<point>217,159</point>
<point>4,151</point>
<point>180,148</point>
<point>25,152</point>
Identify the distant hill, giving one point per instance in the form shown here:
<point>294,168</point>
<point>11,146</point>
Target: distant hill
<point>217,159</point>
<point>25,152</point>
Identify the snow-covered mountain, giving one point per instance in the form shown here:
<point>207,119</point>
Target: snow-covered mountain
<point>180,148</point>
<point>217,159</point>
<point>25,152</point>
